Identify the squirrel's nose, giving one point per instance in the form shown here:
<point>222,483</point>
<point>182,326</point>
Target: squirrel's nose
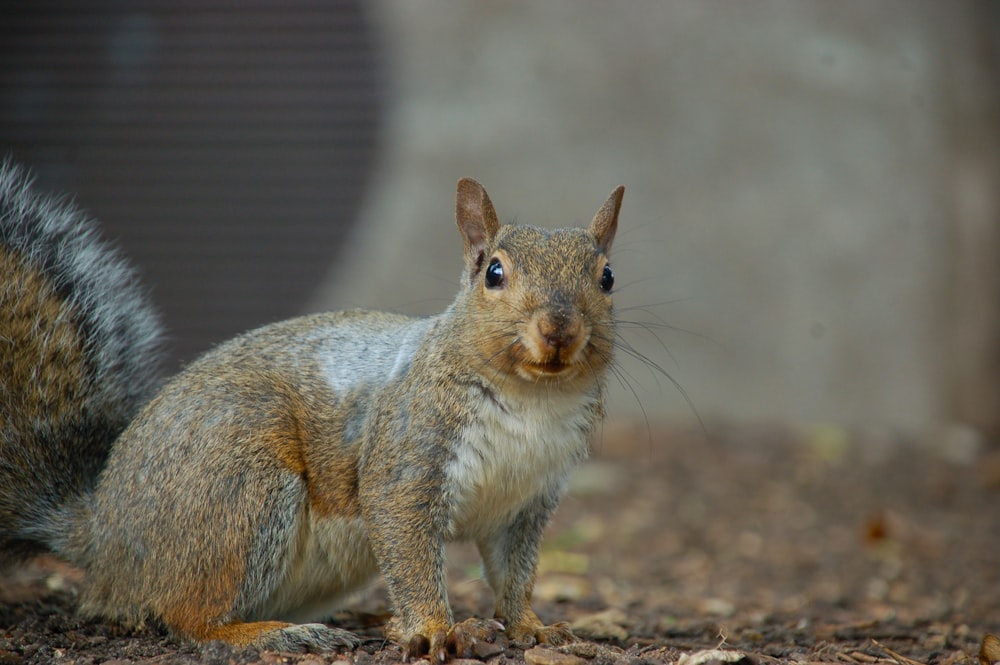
<point>559,331</point>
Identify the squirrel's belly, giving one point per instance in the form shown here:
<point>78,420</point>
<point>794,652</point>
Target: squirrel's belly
<point>335,560</point>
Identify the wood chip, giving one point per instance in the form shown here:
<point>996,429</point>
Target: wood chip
<point>712,656</point>
<point>899,658</point>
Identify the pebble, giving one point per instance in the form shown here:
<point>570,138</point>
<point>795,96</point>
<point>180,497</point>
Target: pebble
<point>606,625</point>
<point>564,588</point>
<point>311,659</point>
<point>486,650</point>
<point>546,656</point>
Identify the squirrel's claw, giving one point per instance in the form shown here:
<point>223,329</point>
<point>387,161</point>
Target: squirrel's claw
<point>433,648</point>
<point>471,638</point>
<point>467,639</point>
<point>418,646</point>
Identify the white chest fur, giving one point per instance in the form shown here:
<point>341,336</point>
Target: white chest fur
<point>510,454</point>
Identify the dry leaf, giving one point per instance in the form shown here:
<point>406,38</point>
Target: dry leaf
<point>989,652</point>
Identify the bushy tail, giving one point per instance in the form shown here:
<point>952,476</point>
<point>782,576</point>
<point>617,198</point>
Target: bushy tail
<point>78,357</point>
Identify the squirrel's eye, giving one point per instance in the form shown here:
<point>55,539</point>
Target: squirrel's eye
<point>494,274</point>
<point>607,279</point>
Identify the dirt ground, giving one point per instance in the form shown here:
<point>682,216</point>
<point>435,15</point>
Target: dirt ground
<point>750,545</point>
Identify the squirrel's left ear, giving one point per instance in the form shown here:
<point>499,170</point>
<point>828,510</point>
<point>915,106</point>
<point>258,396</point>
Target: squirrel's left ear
<point>606,220</point>
<point>477,220</point>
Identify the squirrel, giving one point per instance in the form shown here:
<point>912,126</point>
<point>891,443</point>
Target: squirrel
<point>286,467</point>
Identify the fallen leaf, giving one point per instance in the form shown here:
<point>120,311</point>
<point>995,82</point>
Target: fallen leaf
<point>989,651</point>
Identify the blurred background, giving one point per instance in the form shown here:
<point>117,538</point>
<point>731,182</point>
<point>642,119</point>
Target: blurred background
<point>811,227</point>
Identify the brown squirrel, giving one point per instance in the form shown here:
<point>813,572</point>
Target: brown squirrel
<point>286,467</point>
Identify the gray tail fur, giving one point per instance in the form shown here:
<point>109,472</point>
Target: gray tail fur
<point>79,348</point>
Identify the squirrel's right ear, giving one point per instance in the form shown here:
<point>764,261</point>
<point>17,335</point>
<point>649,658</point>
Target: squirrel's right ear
<point>606,220</point>
<point>477,221</point>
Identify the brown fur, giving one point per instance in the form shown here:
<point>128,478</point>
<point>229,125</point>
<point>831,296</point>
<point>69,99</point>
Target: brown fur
<point>42,347</point>
<point>241,634</point>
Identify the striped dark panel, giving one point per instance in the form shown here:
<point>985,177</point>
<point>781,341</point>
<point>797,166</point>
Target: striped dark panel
<point>227,145</point>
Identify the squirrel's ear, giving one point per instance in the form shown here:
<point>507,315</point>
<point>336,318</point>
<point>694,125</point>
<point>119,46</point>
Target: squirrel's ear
<point>477,220</point>
<point>606,220</point>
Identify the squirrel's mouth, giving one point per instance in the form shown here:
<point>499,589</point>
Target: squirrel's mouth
<point>535,357</point>
<point>552,367</point>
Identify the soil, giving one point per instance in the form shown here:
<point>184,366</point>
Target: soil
<point>740,545</point>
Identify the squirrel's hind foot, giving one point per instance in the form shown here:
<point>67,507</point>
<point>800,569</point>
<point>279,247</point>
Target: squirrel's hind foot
<point>312,637</point>
<point>280,636</point>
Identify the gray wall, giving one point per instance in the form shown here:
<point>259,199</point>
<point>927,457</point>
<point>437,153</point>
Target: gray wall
<point>811,189</point>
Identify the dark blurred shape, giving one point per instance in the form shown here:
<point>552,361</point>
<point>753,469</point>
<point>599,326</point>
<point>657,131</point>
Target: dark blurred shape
<point>226,145</point>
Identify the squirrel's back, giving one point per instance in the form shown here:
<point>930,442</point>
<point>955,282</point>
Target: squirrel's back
<point>78,357</point>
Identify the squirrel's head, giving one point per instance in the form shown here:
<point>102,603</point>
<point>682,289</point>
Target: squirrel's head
<point>539,301</point>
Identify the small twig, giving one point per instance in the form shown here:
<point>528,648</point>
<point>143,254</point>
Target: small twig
<point>899,658</point>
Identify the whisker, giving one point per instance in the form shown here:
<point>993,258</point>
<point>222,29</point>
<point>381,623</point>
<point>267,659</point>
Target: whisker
<point>661,324</point>
<point>620,342</point>
<point>657,369</point>
<point>646,306</point>
<point>659,341</point>
<point>518,310</point>
<point>623,379</point>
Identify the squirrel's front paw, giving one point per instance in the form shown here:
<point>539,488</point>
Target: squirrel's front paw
<point>557,634</point>
<point>437,645</point>
<point>428,640</point>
